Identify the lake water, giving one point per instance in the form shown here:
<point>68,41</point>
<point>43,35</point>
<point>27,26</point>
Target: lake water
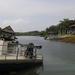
<point>59,57</point>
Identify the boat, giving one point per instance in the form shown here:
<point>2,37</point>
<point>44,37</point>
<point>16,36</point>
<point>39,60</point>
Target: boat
<point>17,60</point>
<point>12,53</point>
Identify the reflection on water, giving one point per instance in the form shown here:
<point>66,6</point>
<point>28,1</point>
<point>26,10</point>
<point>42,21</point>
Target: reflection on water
<point>30,71</point>
<point>34,71</point>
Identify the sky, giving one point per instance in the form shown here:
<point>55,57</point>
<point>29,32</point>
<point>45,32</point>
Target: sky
<point>32,15</point>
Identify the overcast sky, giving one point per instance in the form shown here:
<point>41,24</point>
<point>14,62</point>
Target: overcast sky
<point>30,15</point>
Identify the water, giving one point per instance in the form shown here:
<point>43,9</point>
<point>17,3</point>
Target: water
<point>59,57</point>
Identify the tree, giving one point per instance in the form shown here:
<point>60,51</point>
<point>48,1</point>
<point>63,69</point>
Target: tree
<point>64,25</point>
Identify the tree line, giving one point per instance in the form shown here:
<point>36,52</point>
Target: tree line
<point>31,33</point>
<point>61,28</point>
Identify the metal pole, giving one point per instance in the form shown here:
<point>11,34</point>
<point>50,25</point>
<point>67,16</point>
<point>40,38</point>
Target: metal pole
<point>5,56</point>
<point>35,52</point>
<point>17,53</point>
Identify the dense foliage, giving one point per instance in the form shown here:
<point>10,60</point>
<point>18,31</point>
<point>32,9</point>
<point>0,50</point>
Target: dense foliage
<point>62,27</point>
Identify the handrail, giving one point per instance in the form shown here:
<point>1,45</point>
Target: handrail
<point>15,52</point>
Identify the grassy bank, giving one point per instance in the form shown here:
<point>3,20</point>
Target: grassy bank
<point>70,39</point>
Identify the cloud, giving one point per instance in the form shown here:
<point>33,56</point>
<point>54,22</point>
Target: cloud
<point>23,25</point>
<point>27,15</point>
<point>20,8</point>
<point>17,24</point>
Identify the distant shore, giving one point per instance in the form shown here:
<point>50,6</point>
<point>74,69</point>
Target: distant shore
<point>32,33</point>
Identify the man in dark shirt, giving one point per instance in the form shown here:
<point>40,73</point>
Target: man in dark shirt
<point>30,49</point>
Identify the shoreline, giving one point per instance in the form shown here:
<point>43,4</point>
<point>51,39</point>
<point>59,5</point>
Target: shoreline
<point>70,39</point>
<point>67,39</point>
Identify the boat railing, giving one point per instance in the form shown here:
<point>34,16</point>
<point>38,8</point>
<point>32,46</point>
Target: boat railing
<point>16,52</point>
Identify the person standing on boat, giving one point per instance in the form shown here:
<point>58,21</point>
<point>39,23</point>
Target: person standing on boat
<point>30,50</point>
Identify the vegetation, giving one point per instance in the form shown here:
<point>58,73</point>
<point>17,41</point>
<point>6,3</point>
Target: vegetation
<point>70,39</point>
<point>61,28</point>
<point>32,33</point>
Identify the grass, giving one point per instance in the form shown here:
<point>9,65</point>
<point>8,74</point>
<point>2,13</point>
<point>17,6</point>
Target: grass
<point>70,38</point>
